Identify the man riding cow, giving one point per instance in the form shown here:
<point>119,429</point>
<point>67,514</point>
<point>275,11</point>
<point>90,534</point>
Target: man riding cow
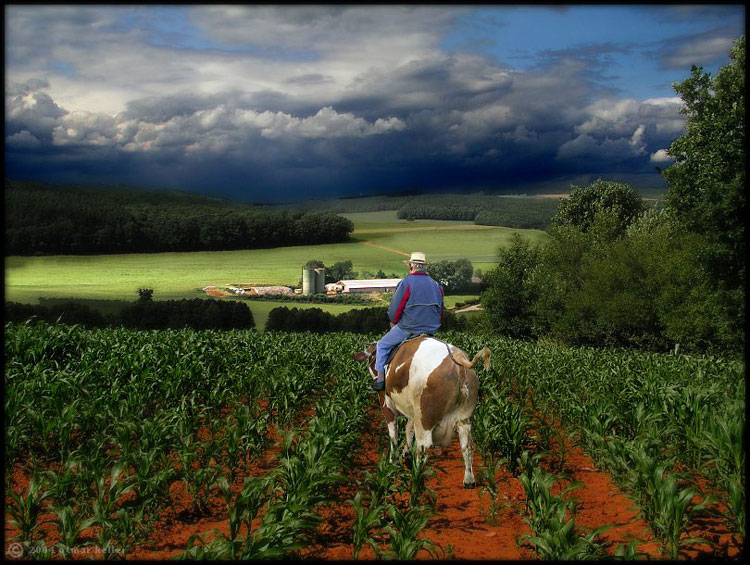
<point>429,382</point>
<point>416,308</point>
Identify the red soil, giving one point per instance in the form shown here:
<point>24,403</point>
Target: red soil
<point>216,292</point>
<point>459,526</point>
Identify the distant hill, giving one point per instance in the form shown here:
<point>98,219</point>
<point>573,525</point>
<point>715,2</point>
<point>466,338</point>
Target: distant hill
<point>513,211</point>
<point>51,219</point>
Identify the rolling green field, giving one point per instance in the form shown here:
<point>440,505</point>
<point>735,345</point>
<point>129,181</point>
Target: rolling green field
<point>379,241</point>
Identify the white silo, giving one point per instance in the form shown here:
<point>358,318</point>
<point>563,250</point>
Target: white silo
<point>309,276</point>
<point>320,280</point>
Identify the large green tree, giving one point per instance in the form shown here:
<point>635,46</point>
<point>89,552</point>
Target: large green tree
<point>454,276</point>
<point>510,294</point>
<point>706,182</point>
<point>340,271</point>
<point>617,200</point>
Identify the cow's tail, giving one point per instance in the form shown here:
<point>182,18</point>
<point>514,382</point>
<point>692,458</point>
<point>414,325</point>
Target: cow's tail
<point>462,359</point>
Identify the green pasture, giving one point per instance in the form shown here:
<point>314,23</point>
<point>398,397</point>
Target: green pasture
<point>438,239</point>
<point>380,241</point>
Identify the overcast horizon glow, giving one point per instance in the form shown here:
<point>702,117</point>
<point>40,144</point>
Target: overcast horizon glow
<point>274,103</point>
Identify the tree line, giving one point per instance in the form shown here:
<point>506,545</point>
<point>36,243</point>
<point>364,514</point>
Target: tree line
<point>44,219</point>
<point>359,320</point>
<point>518,212</point>
<point>145,314</point>
<point>482,209</point>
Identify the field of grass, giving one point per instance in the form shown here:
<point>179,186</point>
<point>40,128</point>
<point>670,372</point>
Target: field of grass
<point>379,241</point>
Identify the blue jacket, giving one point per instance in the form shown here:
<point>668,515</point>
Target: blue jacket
<point>417,304</point>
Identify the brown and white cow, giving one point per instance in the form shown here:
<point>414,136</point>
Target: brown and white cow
<point>432,384</point>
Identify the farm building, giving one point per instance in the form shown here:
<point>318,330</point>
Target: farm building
<point>363,286</point>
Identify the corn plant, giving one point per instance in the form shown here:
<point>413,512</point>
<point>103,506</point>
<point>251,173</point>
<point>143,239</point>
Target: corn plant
<point>70,526</point>
<point>198,548</point>
<point>285,528</point>
<point>252,425</point>
<point>108,495</point>
<point>62,485</point>
<point>724,443</point>
<point>232,446</point>
<point>416,480</point>
<point>104,539</point>
<point>307,468</point>
<point>24,510</point>
<point>555,441</point>
<point>670,509</point>
<point>196,473</point>
<point>488,476</point>
<point>552,519</point>
<point>629,552</point>
<point>247,503</point>
<point>404,531</point>
<point>128,528</point>
<point>199,482</point>
<point>501,426</point>
<point>483,428</point>
<point>562,541</point>
<point>384,481</point>
<point>688,414</point>
<point>152,475</point>
<point>367,520</point>
<point>241,511</point>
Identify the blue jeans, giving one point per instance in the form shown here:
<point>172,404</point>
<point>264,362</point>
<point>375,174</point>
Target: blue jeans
<point>390,340</point>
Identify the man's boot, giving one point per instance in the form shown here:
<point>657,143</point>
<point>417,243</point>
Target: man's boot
<point>379,382</point>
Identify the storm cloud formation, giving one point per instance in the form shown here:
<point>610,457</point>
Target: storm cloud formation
<point>274,103</point>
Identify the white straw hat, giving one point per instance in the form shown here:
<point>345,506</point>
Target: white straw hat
<point>417,257</point>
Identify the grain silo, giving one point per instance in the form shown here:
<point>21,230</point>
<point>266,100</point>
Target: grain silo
<point>309,285</point>
<point>320,280</point>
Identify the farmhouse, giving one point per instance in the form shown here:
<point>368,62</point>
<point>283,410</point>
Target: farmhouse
<point>362,286</point>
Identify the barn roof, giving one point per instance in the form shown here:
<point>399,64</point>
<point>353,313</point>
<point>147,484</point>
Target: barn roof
<point>371,283</point>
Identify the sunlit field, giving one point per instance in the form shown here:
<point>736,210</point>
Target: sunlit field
<point>380,241</point>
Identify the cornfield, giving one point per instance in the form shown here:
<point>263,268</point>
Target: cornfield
<point>103,425</point>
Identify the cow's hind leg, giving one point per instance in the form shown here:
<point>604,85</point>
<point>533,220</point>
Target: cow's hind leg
<point>424,440</point>
<point>467,450</point>
<point>390,419</point>
<point>409,431</point>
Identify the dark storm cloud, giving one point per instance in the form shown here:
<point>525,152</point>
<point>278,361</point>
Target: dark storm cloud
<point>345,121</point>
<point>485,126</point>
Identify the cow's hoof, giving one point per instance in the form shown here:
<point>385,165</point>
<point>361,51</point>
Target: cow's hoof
<point>469,485</point>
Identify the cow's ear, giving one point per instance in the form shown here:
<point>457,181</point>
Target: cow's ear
<point>359,356</point>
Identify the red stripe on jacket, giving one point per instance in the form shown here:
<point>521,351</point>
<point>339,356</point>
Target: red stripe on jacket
<point>401,306</point>
<point>442,305</point>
